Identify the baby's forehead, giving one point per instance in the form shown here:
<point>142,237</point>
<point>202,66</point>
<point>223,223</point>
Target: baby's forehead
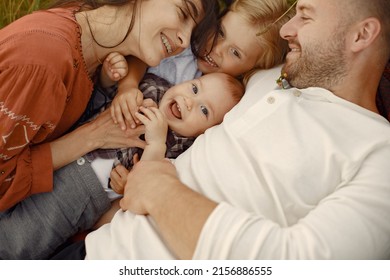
<point>214,78</point>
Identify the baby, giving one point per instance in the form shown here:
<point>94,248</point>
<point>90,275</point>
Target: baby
<point>173,117</point>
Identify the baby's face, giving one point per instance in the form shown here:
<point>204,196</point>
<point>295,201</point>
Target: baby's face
<point>192,107</point>
<point>236,50</point>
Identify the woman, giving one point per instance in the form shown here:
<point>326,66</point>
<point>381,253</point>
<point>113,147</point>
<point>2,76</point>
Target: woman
<point>47,65</point>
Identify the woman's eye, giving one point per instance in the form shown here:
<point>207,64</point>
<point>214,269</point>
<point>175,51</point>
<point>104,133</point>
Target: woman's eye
<point>204,110</point>
<point>194,89</point>
<point>183,14</point>
<point>221,33</point>
<point>236,53</point>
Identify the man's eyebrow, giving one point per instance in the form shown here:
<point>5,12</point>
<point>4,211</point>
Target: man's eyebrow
<point>305,8</point>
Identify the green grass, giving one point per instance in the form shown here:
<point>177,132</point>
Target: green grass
<point>11,10</point>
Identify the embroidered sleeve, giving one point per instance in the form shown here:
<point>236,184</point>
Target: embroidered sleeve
<point>31,103</point>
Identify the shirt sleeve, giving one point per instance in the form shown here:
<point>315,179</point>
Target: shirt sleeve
<point>350,223</point>
<point>31,103</point>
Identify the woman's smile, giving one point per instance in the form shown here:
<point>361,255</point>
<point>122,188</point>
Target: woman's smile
<point>166,43</point>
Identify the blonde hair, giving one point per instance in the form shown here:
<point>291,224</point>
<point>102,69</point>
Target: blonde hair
<point>264,14</point>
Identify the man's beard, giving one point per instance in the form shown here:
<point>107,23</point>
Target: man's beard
<point>318,66</point>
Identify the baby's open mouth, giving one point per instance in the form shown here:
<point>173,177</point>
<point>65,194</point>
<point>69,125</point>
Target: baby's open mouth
<point>175,109</point>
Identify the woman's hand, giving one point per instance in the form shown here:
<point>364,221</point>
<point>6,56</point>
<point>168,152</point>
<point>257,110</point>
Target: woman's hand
<point>101,133</point>
<point>105,134</point>
<point>124,106</point>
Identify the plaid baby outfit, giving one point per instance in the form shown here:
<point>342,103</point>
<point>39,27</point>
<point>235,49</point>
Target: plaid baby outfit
<point>153,87</point>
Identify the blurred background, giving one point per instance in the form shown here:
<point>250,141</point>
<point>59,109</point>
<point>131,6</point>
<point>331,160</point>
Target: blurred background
<point>11,10</point>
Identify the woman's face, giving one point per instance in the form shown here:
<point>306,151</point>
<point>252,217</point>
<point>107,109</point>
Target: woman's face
<point>165,27</point>
<point>236,50</point>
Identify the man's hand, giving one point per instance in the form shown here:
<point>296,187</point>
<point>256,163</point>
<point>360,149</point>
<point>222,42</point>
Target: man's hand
<point>146,183</point>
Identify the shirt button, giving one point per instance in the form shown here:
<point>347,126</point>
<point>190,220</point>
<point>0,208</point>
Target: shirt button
<point>271,100</point>
<point>297,93</point>
<point>2,172</point>
<point>81,161</point>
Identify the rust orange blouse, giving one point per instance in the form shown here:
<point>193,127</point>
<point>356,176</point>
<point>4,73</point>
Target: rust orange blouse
<point>44,88</point>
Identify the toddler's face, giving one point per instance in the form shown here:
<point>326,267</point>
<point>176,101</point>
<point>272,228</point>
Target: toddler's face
<point>236,50</point>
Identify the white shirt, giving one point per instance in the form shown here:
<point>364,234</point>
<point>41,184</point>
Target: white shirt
<point>298,174</point>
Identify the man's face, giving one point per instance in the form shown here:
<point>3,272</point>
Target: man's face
<point>316,36</point>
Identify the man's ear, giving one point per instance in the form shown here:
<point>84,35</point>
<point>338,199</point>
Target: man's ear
<point>365,33</point>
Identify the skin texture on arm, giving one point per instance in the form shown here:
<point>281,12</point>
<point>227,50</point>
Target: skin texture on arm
<point>179,212</point>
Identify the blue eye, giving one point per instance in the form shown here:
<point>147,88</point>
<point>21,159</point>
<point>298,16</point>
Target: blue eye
<point>204,110</point>
<point>194,89</point>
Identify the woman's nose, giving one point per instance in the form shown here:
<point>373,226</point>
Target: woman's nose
<point>184,36</point>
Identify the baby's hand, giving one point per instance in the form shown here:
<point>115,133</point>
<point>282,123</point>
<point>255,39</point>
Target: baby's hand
<point>115,66</point>
<point>118,178</point>
<point>148,102</point>
<point>156,126</point>
<point>124,106</point>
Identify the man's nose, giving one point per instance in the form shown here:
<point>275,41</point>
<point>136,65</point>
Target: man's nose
<point>289,29</point>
